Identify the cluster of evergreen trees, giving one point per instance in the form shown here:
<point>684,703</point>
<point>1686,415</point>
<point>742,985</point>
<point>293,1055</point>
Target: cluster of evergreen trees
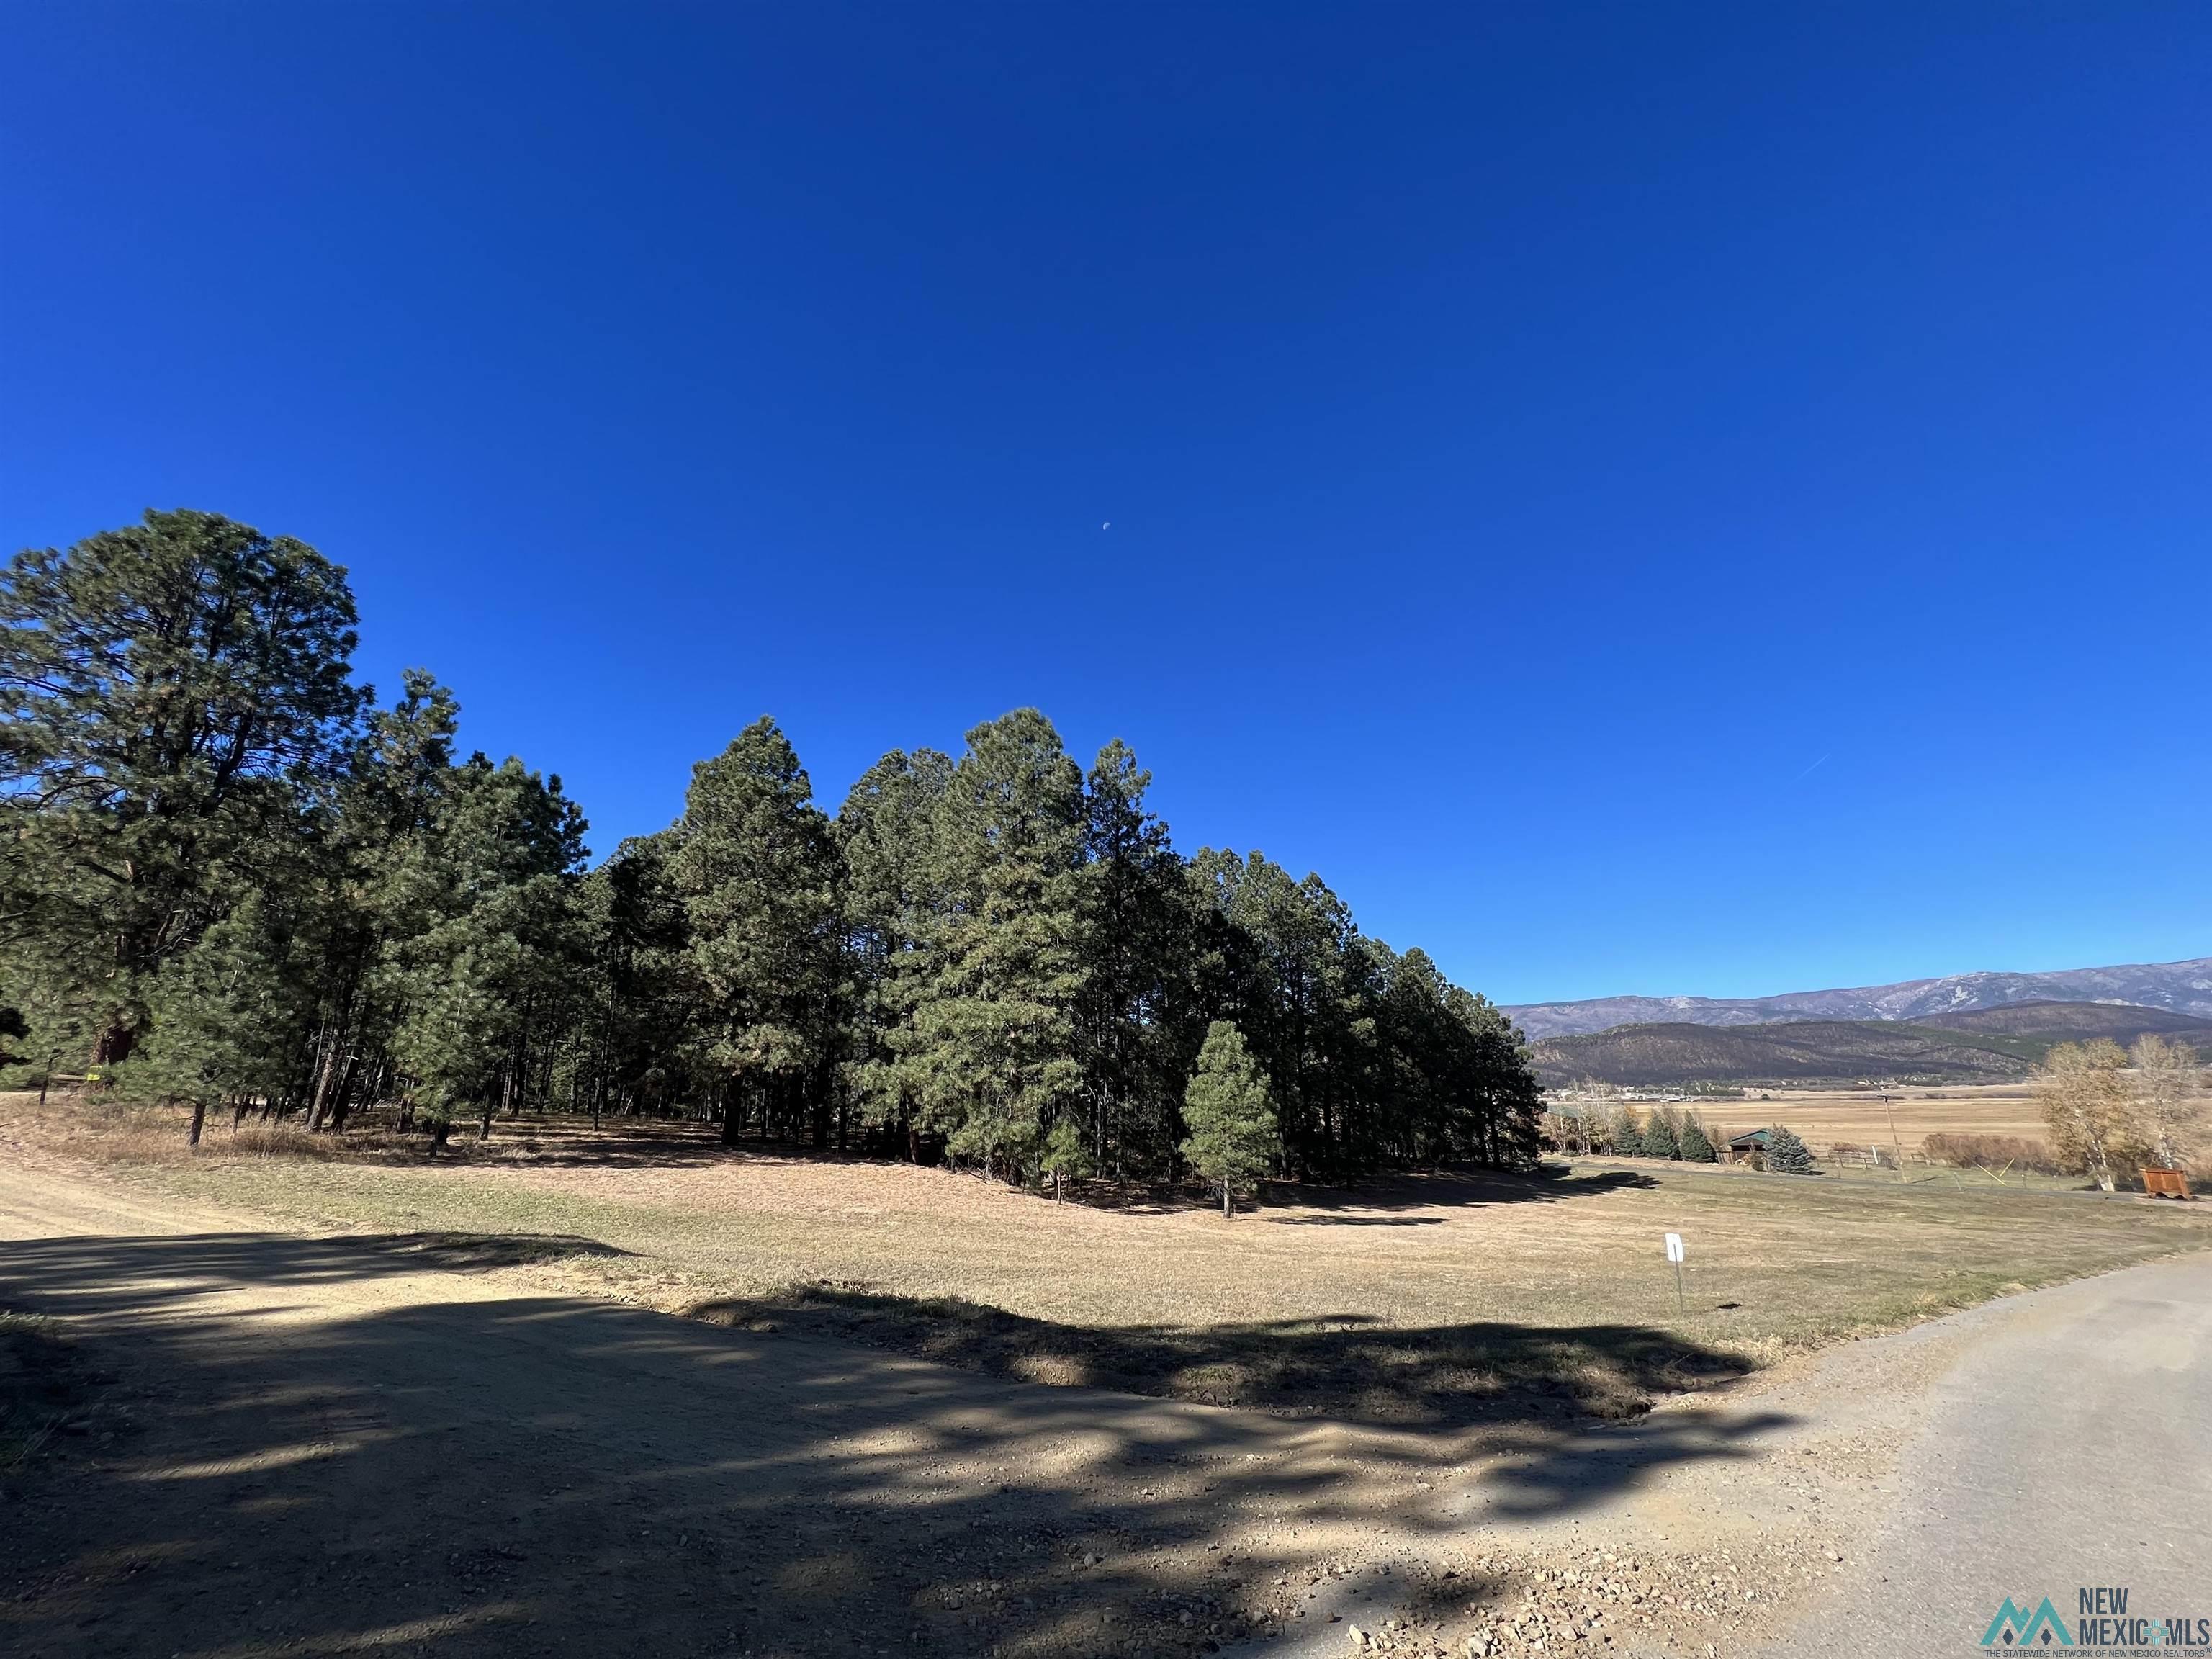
<point>1602,1125</point>
<point>227,877</point>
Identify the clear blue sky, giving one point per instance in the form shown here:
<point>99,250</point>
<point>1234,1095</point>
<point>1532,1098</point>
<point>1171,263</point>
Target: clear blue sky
<point>1642,498</point>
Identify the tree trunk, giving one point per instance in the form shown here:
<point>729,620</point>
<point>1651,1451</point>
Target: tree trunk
<point>49,1077</point>
<point>342,1102</point>
<point>326,1079</point>
<point>1227,1207</point>
<point>199,1120</point>
<point>114,1046</point>
<point>484,1123</point>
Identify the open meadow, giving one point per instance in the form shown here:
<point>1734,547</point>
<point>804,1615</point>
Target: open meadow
<point>1416,1299</point>
<point>1826,1117</point>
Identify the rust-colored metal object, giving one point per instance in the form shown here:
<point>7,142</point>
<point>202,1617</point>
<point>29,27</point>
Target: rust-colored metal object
<point>2165,1183</point>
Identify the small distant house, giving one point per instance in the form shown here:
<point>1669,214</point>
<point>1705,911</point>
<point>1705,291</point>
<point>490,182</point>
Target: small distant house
<point>1746,1148</point>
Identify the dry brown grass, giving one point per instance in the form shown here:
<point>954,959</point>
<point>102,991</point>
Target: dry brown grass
<point>102,1130</point>
<point>1416,1298</point>
<point>1826,1117</point>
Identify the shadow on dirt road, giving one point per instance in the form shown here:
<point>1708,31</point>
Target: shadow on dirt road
<point>343,1446</point>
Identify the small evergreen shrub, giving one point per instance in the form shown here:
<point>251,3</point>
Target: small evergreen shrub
<point>1786,1154</point>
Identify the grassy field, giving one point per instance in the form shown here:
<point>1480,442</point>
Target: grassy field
<point>1825,1116</point>
<point>1415,1299</point>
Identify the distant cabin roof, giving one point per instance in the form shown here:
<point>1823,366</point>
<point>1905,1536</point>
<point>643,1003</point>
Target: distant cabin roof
<point>1755,1138</point>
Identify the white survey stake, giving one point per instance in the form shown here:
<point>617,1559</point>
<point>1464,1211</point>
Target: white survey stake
<point>1674,1247</point>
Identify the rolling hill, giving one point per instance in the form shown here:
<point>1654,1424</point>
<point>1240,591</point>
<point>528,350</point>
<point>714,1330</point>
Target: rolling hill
<point>2181,988</point>
<point>1980,1046</point>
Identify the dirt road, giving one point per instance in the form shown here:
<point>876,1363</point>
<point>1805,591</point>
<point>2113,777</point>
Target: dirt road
<point>267,1443</point>
<point>2070,1447</point>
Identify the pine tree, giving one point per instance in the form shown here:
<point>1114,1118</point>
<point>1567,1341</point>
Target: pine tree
<point>1288,967</point>
<point>760,877</point>
<point>1696,1146</point>
<point>489,943</point>
<point>168,692</point>
<point>1786,1154</point>
<point>1233,1137</point>
<point>639,1039</point>
<point>1659,1137</point>
<point>896,896</point>
<point>1137,1014</point>
<point>993,1058</point>
<point>1627,1137</point>
<point>1063,1158</point>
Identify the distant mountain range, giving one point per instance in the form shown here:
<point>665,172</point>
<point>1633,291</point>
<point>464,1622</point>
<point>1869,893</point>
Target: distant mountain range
<point>2182,988</point>
<point>1985,1045</point>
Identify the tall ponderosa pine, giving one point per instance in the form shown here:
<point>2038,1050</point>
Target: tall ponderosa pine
<point>1136,1017</point>
<point>171,694</point>
<point>992,1060</point>
<point>493,947</point>
<point>759,875</point>
<point>895,895</point>
<point>640,1043</point>
<point>1233,1136</point>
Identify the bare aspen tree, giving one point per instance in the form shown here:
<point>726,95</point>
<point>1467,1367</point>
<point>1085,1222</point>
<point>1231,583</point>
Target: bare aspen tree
<point>2169,1110</point>
<point>2085,1103</point>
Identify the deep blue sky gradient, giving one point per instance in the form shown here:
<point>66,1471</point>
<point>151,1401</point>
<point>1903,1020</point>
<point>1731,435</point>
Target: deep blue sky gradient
<point>1708,499</point>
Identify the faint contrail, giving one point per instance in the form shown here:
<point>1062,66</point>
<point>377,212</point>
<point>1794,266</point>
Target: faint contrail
<point>1809,770</point>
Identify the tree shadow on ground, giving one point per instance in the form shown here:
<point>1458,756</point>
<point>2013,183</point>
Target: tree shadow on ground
<point>1417,1189</point>
<point>1348,1366</point>
<point>1357,1221</point>
<point>543,1475</point>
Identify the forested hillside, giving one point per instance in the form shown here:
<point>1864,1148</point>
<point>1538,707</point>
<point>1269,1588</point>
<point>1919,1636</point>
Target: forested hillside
<point>229,878</point>
<point>1988,1046</point>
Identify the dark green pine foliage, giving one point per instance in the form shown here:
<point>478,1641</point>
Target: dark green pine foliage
<point>639,1044</point>
<point>492,945</point>
<point>1786,1154</point>
<point>1285,969</point>
<point>226,879</point>
<point>172,696</point>
<point>1628,1137</point>
<point>1233,1138</point>
<point>1137,1013</point>
<point>1659,1139</point>
<point>760,877</point>
<point>1697,1146</point>
<point>897,891</point>
<point>991,1062</point>
<point>376,892</point>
